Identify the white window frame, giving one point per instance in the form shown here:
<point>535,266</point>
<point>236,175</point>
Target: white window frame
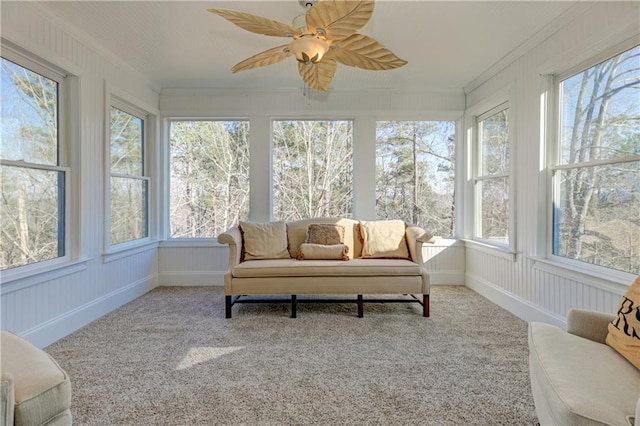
<point>66,89</point>
<point>119,102</point>
<point>553,148</point>
<point>500,103</point>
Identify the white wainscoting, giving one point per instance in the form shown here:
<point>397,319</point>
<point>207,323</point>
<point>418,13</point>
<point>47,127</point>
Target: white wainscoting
<point>445,261</point>
<point>534,293</point>
<point>192,264</point>
<point>205,263</point>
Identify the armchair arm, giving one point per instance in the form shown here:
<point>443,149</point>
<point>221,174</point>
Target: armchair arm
<point>416,236</point>
<point>589,324</point>
<point>7,399</point>
<point>233,238</point>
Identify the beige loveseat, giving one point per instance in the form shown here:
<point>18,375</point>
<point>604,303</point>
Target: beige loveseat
<point>355,276</point>
<point>576,379</point>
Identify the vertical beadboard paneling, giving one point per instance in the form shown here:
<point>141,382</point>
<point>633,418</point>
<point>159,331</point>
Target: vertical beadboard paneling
<point>181,264</point>
<point>47,309</point>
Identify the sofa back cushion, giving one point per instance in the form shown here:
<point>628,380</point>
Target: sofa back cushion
<point>297,234</point>
<point>384,239</point>
<point>264,240</point>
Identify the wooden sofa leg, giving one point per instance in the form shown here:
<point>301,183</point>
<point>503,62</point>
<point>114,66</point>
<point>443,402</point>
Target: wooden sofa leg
<point>360,306</point>
<point>227,306</point>
<point>425,305</point>
<point>294,306</point>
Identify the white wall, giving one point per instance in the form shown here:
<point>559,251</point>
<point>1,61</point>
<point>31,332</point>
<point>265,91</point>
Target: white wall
<point>46,307</point>
<point>526,283</point>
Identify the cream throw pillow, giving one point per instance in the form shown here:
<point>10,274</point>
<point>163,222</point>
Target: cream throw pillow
<point>384,239</point>
<point>309,251</point>
<point>624,330</point>
<point>264,240</point>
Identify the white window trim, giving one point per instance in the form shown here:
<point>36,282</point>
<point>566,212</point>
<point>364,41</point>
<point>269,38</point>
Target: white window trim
<point>67,138</point>
<point>550,112</point>
<point>122,101</point>
<point>502,99</point>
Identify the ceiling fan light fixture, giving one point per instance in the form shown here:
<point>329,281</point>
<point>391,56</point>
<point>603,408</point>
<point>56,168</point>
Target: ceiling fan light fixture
<point>309,48</point>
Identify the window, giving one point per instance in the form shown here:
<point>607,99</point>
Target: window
<point>492,176</point>
<point>33,165</point>
<point>312,169</point>
<point>415,173</point>
<point>596,170</point>
<point>129,187</point>
<point>209,188</point>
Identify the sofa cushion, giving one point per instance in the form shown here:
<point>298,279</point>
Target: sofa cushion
<point>306,268</point>
<point>325,233</point>
<point>42,390</point>
<point>264,240</point>
<point>297,233</point>
<point>308,251</point>
<point>384,239</point>
<point>577,381</point>
<point>624,331</point>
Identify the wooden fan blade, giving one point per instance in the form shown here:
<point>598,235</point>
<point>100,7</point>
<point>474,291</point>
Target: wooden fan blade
<point>268,57</point>
<point>318,75</point>
<point>339,18</point>
<point>257,24</point>
<point>364,52</point>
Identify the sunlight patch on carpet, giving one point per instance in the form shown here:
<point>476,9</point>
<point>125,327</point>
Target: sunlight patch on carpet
<point>197,356</point>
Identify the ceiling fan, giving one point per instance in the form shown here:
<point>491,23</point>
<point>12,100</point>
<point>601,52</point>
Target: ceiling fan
<point>322,37</point>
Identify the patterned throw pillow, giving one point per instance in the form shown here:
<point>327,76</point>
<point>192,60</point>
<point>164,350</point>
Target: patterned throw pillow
<point>264,240</point>
<point>384,239</point>
<point>308,251</point>
<point>325,233</point>
<point>624,330</point>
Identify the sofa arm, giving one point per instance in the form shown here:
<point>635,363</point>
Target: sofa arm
<point>7,399</point>
<point>233,238</point>
<point>589,324</point>
<point>416,236</point>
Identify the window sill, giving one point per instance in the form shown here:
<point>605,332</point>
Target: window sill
<point>18,280</point>
<point>117,253</point>
<point>191,242</point>
<point>498,251</point>
<point>445,242</point>
<point>616,282</point>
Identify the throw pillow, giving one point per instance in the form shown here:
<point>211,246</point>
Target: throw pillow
<point>384,239</point>
<point>325,233</point>
<point>264,240</point>
<point>321,251</point>
<point>624,331</point>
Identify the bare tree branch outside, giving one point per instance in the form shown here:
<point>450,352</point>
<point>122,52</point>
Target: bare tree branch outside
<point>312,169</point>
<point>209,183</point>
<point>415,173</point>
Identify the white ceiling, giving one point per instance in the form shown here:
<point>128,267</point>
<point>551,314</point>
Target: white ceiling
<point>178,44</point>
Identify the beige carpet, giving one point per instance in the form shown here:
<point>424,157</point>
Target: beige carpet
<point>170,358</point>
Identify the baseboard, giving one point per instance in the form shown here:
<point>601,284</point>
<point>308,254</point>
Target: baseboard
<point>191,278</point>
<point>521,308</point>
<point>55,329</point>
<point>452,277</point>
